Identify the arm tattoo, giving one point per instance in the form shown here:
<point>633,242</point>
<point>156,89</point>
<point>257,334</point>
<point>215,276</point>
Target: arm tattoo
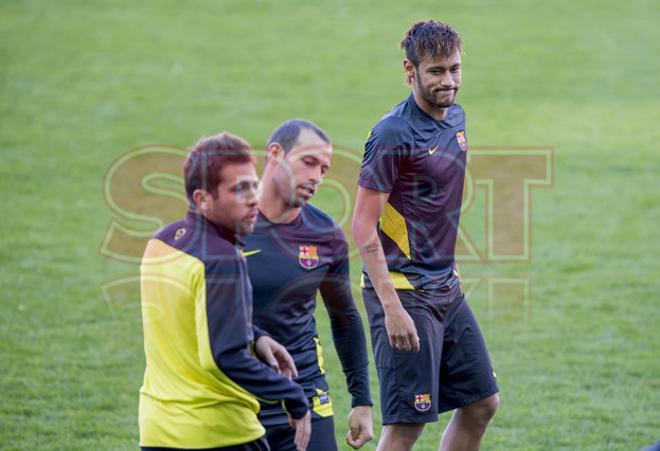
<point>370,247</point>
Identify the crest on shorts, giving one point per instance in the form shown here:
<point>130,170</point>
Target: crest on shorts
<point>308,257</point>
<point>423,402</point>
<point>462,142</point>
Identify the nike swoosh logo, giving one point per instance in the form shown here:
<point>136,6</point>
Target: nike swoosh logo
<point>248,253</point>
<point>432,151</point>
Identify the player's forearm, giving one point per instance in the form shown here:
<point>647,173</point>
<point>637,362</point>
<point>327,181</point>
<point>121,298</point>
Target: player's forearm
<point>260,380</point>
<point>224,341</point>
<point>230,353</point>
<point>369,207</point>
<point>375,264</point>
<point>348,336</point>
<point>351,345</point>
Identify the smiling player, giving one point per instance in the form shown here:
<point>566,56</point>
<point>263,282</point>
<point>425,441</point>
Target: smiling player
<point>428,348</point>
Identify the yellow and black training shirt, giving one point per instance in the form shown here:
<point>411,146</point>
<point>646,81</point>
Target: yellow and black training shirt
<point>202,384</point>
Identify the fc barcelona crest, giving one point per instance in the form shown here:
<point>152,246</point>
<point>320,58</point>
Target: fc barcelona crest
<point>308,257</point>
<point>423,402</point>
<point>462,142</point>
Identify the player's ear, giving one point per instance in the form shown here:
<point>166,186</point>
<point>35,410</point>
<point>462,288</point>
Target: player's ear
<point>409,69</point>
<point>275,152</point>
<point>200,198</point>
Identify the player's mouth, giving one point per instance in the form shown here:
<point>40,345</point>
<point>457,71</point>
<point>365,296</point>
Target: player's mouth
<point>446,91</point>
<point>246,224</point>
<point>306,191</point>
<point>252,216</point>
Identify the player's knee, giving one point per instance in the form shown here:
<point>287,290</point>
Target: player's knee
<point>400,436</point>
<point>491,404</point>
<point>480,413</point>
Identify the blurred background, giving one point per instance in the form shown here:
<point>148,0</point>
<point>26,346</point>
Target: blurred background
<point>571,319</point>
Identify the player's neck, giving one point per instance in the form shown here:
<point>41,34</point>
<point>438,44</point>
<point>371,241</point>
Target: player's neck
<point>274,207</point>
<point>439,114</point>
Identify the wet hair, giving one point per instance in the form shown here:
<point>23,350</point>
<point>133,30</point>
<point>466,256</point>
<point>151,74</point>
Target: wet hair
<point>430,39</point>
<point>287,133</point>
<point>206,159</point>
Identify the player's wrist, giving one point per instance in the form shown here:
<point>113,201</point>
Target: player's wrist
<point>387,294</point>
<point>392,307</point>
<point>258,333</point>
<point>361,403</point>
<point>362,408</point>
<point>298,410</point>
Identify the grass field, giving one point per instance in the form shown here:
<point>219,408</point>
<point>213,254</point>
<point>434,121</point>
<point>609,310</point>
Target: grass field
<point>578,360</point>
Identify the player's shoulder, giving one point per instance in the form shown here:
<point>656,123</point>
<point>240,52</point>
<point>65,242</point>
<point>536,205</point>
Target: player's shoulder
<point>393,124</point>
<point>455,115</point>
<point>179,235</point>
<point>321,221</point>
<point>391,130</point>
<point>169,232</point>
<point>319,216</point>
<point>396,121</point>
<point>198,238</point>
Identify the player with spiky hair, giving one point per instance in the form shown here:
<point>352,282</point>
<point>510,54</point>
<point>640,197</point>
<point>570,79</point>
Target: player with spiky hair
<point>429,351</point>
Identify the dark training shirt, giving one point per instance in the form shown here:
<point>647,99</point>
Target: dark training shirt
<point>288,264</point>
<point>421,163</point>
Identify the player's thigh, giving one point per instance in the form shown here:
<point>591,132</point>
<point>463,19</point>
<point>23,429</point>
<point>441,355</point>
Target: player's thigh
<point>466,373</point>
<point>408,381</point>
<point>323,435</point>
<point>280,437</point>
<point>322,438</point>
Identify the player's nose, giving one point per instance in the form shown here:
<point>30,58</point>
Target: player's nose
<point>316,176</point>
<point>447,83</point>
<point>251,198</point>
<point>446,80</point>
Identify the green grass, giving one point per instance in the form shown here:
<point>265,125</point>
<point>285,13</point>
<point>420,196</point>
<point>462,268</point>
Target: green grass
<point>82,83</point>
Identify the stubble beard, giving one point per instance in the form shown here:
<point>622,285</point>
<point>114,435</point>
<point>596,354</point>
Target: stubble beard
<point>290,195</point>
<point>430,97</point>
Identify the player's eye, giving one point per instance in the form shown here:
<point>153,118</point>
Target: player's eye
<point>244,187</point>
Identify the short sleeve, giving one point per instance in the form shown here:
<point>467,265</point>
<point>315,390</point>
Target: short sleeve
<point>387,149</point>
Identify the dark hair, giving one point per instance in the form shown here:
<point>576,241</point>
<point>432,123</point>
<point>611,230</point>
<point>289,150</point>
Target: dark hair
<point>207,158</point>
<point>287,133</point>
<point>430,38</point>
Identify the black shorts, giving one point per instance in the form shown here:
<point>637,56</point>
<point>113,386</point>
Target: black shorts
<point>280,437</point>
<point>452,368</point>
<point>257,445</point>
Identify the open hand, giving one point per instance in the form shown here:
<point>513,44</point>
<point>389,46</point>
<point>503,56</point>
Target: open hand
<point>401,330</point>
<point>275,355</point>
